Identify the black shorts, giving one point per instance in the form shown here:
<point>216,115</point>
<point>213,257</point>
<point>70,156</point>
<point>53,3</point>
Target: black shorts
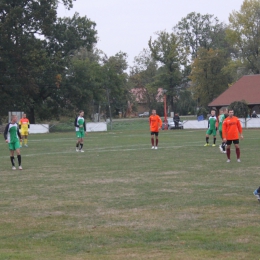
<point>229,142</point>
<point>155,133</point>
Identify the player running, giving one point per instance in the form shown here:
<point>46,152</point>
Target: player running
<point>155,125</point>
<point>212,122</point>
<point>230,129</point>
<point>223,115</point>
<point>24,126</point>
<point>80,128</point>
<point>12,137</point>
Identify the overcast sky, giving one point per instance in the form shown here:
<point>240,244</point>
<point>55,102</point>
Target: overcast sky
<point>127,25</point>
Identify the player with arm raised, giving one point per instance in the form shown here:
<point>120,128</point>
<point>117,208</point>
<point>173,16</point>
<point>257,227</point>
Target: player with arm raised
<point>12,137</point>
<point>80,128</point>
<point>155,125</point>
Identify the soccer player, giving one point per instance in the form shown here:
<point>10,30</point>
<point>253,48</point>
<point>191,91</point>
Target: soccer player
<point>155,125</point>
<point>211,128</point>
<point>24,126</point>
<point>12,137</point>
<point>80,128</point>
<point>230,129</point>
<point>223,115</point>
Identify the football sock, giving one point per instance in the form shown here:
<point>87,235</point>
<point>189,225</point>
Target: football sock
<point>223,146</point>
<point>214,140</point>
<point>21,143</point>
<point>77,145</point>
<point>157,140</point>
<point>25,141</point>
<point>152,140</point>
<point>207,140</point>
<point>228,153</point>
<point>81,145</point>
<point>238,153</point>
<point>19,157</point>
<point>12,160</point>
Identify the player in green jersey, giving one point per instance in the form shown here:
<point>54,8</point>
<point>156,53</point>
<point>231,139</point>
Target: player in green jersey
<point>12,137</point>
<point>223,115</point>
<point>80,128</point>
<point>211,128</point>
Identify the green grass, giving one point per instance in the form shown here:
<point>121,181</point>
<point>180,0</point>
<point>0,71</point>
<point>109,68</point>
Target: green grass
<point>122,200</point>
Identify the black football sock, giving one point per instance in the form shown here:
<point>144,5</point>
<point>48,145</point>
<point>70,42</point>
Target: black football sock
<point>19,157</point>
<point>214,140</point>
<point>12,160</point>
<point>207,140</point>
<point>81,146</point>
<point>77,145</point>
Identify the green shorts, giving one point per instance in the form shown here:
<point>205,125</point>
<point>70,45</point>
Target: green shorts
<point>80,134</point>
<point>211,132</point>
<point>14,146</point>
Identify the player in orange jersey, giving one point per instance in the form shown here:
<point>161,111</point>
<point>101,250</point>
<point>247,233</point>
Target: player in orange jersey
<point>155,125</point>
<point>24,126</point>
<point>231,129</point>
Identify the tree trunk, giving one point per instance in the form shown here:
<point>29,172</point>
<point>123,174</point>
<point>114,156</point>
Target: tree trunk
<point>31,116</point>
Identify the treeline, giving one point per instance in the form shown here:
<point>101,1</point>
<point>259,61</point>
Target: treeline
<point>50,66</point>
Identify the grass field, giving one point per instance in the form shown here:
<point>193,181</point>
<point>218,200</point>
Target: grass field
<point>122,200</point>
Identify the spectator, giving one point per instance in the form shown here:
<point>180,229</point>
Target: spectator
<point>176,120</point>
<point>254,115</point>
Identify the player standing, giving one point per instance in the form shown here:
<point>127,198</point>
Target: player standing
<point>211,128</point>
<point>223,115</point>
<point>230,129</point>
<point>24,126</point>
<point>80,128</point>
<point>12,137</point>
<point>155,125</point>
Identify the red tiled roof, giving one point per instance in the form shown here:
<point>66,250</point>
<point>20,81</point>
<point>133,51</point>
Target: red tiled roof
<point>247,88</point>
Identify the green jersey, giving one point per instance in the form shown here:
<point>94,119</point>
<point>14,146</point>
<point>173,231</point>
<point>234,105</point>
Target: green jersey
<point>221,119</point>
<point>12,133</point>
<point>80,124</point>
<point>212,122</point>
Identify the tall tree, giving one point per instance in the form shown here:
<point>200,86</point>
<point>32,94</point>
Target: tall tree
<point>208,77</point>
<point>31,66</point>
<point>244,35</point>
<point>142,76</point>
<point>167,51</point>
<point>200,31</point>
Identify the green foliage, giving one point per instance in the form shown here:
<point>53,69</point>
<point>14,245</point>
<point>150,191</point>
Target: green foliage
<point>201,31</point>
<point>167,51</point>
<point>240,108</point>
<point>202,111</point>
<point>29,64</point>
<point>243,34</point>
<point>142,78</point>
<point>208,78</point>
<point>185,103</point>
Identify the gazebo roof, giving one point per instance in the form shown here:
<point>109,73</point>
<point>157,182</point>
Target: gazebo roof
<point>247,88</point>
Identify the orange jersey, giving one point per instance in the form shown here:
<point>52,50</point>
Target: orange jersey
<point>24,124</point>
<point>231,127</point>
<point>155,123</point>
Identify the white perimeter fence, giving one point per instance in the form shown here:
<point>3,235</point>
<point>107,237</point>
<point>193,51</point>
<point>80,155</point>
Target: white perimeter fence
<point>194,124</point>
<point>189,124</point>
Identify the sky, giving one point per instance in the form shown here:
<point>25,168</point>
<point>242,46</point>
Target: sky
<point>127,25</point>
